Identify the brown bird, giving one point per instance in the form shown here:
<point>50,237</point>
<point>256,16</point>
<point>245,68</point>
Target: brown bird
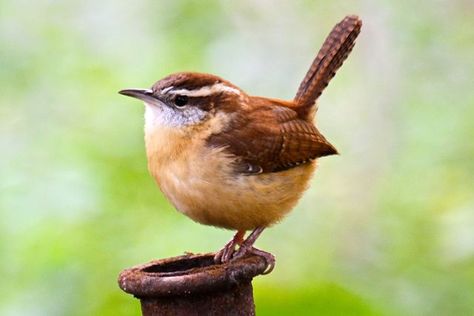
<point>231,160</point>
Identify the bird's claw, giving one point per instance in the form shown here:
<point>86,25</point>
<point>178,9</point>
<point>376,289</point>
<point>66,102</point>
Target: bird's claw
<point>245,251</point>
<point>225,254</point>
<point>229,253</point>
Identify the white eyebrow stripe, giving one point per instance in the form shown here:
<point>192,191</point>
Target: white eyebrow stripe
<point>165,90</point>
<point>205,91</point>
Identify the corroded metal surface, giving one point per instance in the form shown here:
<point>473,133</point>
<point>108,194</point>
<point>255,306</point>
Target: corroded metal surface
<point>194,285</point>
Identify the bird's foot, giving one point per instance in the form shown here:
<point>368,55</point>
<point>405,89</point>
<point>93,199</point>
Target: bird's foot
<point>225,254</point>
<point>228,253</point>
<point>250,250</point>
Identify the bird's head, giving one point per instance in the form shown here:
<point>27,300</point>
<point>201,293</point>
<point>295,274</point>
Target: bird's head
<point>186,99</point>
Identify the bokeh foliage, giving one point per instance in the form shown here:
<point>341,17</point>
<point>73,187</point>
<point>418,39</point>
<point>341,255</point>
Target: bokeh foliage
<point>386,227</point>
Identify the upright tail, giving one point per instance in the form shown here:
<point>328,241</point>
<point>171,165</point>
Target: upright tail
<point>332,54</point>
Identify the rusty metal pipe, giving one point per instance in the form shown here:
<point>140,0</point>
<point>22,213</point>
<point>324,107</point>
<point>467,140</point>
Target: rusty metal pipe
<point>194,285</point>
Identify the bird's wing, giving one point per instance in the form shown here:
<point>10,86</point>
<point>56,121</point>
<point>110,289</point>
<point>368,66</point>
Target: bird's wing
<point>270,139</point>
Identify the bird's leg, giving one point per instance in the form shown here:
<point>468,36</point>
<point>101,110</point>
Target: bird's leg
<point>247,248</point>
<point>225,254</point>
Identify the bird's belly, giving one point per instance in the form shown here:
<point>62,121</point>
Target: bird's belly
<point>209,192</point>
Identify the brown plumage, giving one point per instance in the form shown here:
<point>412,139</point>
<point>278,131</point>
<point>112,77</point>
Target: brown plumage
<point>235,161</point>
<point>282,134</point>
<point>332,54</point>
<point>269,137</point>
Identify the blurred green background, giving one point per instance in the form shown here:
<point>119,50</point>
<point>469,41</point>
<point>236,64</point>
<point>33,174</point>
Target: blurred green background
<point>386,227</point>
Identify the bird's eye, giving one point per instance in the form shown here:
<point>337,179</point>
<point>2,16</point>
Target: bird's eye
<point>181,100</point>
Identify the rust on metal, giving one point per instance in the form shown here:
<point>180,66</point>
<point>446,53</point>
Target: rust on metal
<point>194,285</point>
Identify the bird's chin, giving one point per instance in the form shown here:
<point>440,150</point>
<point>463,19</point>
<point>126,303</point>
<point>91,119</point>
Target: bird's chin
<point>158,114</point>
<point>153,110</point>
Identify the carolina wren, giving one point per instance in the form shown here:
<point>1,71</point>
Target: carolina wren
<point>231,160</point>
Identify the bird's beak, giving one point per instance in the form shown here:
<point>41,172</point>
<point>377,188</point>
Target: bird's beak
<point>142,94</point>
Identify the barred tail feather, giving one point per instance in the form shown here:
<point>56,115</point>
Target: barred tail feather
<point>332,54</point>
